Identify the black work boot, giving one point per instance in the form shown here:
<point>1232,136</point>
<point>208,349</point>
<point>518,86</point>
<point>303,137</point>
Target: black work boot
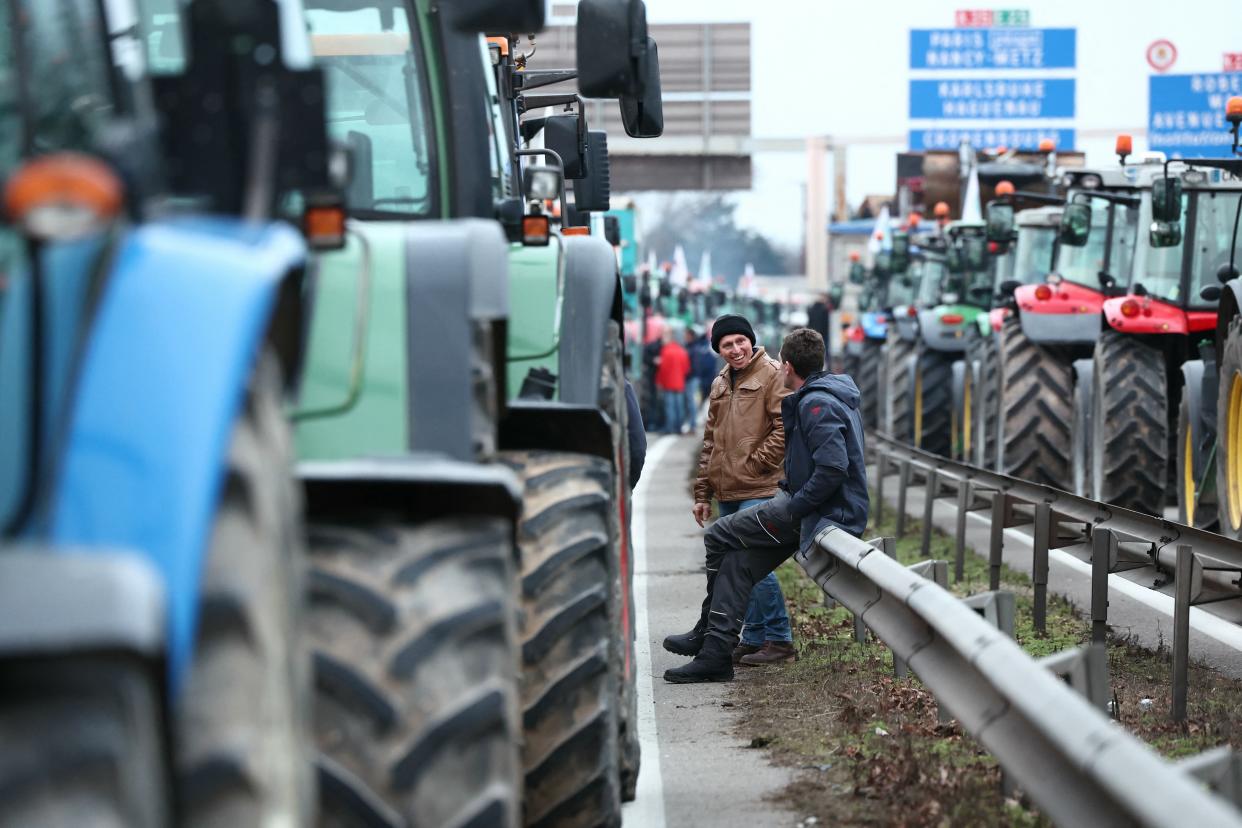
<point>687,644</point>
<point>713,663</point>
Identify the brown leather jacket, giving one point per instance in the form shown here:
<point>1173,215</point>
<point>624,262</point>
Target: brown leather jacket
<point>744,441</point>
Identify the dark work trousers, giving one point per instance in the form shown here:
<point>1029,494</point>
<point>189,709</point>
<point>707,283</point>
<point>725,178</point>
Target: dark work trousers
<point>741,549</point>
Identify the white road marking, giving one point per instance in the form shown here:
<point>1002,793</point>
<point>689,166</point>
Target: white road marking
<point>647,810</point>
<point>1213,626</point>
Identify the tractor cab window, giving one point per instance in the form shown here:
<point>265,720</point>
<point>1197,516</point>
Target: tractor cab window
<point>1215,212</point>
<point>1032,258</point>
<point>1162,274</point>
<point>903,287</point>
<point>1083,265</point>
<point>932,283</point>
<point>377,105</point>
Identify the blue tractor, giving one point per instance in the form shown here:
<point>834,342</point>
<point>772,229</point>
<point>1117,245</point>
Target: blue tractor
<point>150,325</point>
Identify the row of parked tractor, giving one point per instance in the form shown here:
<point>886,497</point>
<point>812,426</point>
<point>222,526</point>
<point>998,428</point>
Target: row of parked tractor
<point>1076,327</point>
<point>314,481</point>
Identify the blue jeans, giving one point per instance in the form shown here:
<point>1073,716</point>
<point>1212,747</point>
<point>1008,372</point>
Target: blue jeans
<point>674,411</point>
<point>692,401</point>
<point>766,617</point>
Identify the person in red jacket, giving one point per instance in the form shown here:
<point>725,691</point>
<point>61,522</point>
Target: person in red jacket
<point>671,380</point>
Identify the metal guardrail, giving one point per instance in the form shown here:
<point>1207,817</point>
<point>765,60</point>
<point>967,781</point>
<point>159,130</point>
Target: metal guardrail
<point>1202,567</point>
<point>1067,755</point>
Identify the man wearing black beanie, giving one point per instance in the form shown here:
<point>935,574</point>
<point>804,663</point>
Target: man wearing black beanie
<point>740,466</point>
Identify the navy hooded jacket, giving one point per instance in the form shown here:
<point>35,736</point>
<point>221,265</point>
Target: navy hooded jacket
<point>825,472</point>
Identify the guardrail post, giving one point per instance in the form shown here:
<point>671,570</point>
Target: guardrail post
<point>1085,669</point>
<point>1220,768</point>
<point>1039,563</point>
<point>997,545</point>
<point>1102,541</point>
<point>881,466</point>
<point>996,607</point>
<point>1183,574</point>
<point>903,483</point>
<point>959,553</point>
<point>929,507</point>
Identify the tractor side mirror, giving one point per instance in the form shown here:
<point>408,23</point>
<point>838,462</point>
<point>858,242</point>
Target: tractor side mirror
<point>1008,286</point>
<point>612,48</point>
<point>1000,222</point>
<point>612,232</point>
<point>857,273</point>
<point>1226,273</point>
<point>524,16</point>
<point>883,263</point>
<point>953,259</point>
<point>1075,224</point>
<point>1165,234</point>
<point>643,115</point>
<point>835,294</point>
<point>1210,293</point>
<point>1166,199</point>
<point>564,135</point>
<point>593,192</point>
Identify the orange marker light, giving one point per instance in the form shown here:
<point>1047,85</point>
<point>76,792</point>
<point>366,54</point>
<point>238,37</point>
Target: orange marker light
<point>1047,145</point>
<point>915,220</point>
<point>855,255</point>
<point>500,42</point>
<point>575,231</point>
<point>951,318</point>
<point>941,210</point>
<point>63,195</point>
<point>536,231</point>
<point>1233,109</point>
<point>912,311</point>
<point>1129,309</point>
<point>324,227</point>
<point>1043,293</point>
<point>1005,188</point>
<point>1125,145</point>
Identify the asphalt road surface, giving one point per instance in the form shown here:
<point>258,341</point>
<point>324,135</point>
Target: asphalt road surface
<point>695,770</point>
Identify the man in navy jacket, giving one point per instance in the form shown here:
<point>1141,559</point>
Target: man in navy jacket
<point>825,485</point>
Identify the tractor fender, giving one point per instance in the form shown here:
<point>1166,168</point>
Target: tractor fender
<point>1194,382</point>
<point>420,485</point>
<point>457,278</point>
<point>1230,301</point>
<point>163,374</point>
<point>591,296</point>
<point>938,336</point>
<point>558,426</point>
<point>56,602</point>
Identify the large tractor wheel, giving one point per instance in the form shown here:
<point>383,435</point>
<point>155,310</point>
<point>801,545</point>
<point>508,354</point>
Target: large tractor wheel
<point>1129,424</point>
<point>985,400</point>
<point>1036,405</point>
<point>898,408</point>
<point>242,720</point>
<point>570,639</point>
<point>932,401</point>
<point>1229,432</point>
<point>83,743</point>
<point>962,427</point>
<point>868,381</point>
<point>1081,434</point>
<point>612,400</point>
<point>414,630</point>
<point>1194,507</point>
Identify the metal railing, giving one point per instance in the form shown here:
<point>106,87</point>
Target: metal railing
<point>1076,764</point>
<point>1110,538</point>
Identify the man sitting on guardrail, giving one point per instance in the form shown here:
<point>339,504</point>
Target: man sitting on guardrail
<point>825,485</point>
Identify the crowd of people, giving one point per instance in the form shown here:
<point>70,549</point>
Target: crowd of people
<point>782,459</point>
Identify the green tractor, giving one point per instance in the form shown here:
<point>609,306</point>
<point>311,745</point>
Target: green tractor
<point>461,429</point>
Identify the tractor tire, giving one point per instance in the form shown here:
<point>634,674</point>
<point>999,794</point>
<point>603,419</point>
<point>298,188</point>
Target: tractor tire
<point>1081,433</point>
<point>241,723</point>
<point>612,401</point>
<point>961,427</point>
<point>1194,508</point>
<point>415,652</point>
<point>932,401</point>
<point>850,365</point>
<point>985,401</point>
<point>569,638</point>
<point>1129,424</point>
<point>1036,404</point>
<point>868,381</point>
<point>1229,432</point>
<point>83,743</point>
<point>898,409</point>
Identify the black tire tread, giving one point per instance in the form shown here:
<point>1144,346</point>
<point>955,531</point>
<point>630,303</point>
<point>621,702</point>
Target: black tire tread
<point>1130,424</point>
<point>414,631</point>
<point>936,370</point>
<point>868,381</point>
<point>570,669</point>
<point>1036,404</point>
<point>899,407</point>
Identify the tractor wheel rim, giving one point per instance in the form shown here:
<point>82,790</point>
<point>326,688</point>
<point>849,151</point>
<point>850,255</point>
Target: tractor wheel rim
<point>1233,449</point>
<point>918,407</point>
<point>967,415</point>
<point>1188,477</point>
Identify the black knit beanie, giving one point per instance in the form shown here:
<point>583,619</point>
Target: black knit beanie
<point>729,324</point>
